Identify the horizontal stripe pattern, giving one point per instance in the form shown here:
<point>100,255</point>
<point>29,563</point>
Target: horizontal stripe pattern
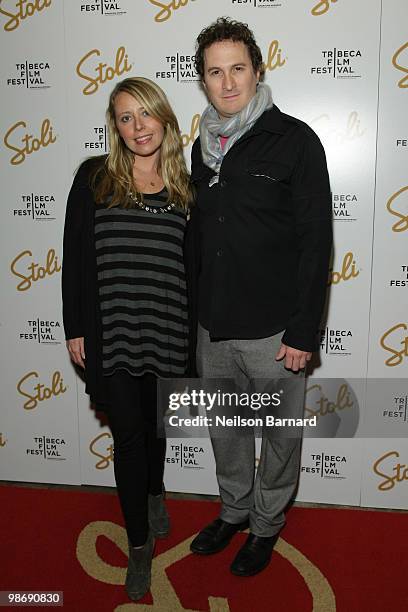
<point>142,289</point>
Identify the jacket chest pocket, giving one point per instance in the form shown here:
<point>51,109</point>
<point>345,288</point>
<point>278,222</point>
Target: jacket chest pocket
<point>268,171</point>
<point>267,184</point>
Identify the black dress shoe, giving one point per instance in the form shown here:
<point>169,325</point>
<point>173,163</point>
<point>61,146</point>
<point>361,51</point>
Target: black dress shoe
<point>254,555</point>
<point>216,536</point>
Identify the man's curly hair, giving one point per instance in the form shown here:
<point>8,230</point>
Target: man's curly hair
<point>227,29</point>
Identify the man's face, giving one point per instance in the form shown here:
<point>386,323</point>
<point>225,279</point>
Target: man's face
<point>229,77</point>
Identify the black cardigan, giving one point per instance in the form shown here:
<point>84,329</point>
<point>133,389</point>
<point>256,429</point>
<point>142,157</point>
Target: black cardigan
<point>80,298</point>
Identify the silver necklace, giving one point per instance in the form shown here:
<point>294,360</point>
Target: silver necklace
<point>153,209</point>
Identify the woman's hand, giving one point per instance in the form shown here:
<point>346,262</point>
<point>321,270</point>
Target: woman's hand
<point>76,351</point>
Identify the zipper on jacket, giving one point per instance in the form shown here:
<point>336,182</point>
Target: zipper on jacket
<point>271,178</point>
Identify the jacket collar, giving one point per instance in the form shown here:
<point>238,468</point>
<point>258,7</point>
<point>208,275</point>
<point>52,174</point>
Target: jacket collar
<point>270,121</point>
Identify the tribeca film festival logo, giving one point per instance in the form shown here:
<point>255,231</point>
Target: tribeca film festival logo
<point>344,206</point>
<point>47,447</point>
<point>326,466</point>
<point>31,75</point>
<point>28,143</point>
<point>36,392</point>
<point>98,139</point>
<point>339,64</point>
<point>391,471</point>
<point>178,67</point>
<point>185,456</point>
<point>41,331</point>
<point>395,341</point>
<point>403,281</point>
<point>25,9</point>
<point>402,67</point>
<point>102,448</point>
<point>97,73</point>
<point>31,271</point>
<point>397,409</point>
<point>102,7</point>
<point>258,3</point>
<point>348,270</point>
<point>36,207</point>
<point>398,207</point>
<point>336,341</point>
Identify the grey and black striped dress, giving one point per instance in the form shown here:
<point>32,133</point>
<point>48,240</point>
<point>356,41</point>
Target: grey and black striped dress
<point>142,289</point>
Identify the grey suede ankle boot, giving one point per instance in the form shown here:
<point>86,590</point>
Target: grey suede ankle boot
<point>158,518</point>
<point>138,577</point>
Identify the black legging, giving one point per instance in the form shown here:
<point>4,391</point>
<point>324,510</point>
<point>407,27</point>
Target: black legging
<point>139,454</point>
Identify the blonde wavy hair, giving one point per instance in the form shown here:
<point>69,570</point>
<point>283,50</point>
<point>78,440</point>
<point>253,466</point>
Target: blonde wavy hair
<point>114,177</point>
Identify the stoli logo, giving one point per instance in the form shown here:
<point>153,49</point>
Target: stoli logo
<point>24,10</point>
<point>402,224</point>
<point>403,82</point>
<point>30,143</point>
<point>392,340</point>
<point>33,271</point>
<point>29,387</point>
<point>392,471</point>
<point>102,447</point>
<point>95,76</point>
<point>167,9</point>
<point>274,59</point>
<point>347,272</point>
<point>322,7</point>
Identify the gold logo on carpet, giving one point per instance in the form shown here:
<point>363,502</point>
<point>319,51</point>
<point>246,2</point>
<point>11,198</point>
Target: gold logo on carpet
<point>162,590</point>
<point>402,224</point>
<point>168,8</point>
<point>397,356</point>
<point>25,9</point>
<point>103,71</point>
<point>105,454</point>
<point>322,7</point>
<point>403,82</point>
<point>397,474</point>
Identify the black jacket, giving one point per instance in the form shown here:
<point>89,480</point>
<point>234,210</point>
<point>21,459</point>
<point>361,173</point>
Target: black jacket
<point>80,297</point>
<point>265,234</point>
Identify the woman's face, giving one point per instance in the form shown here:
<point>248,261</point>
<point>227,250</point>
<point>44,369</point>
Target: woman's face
<point>141,133</point>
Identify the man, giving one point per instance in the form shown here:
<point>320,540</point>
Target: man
<point>264,225</point>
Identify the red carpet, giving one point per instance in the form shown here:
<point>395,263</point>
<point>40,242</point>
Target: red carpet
<point>326,560</point>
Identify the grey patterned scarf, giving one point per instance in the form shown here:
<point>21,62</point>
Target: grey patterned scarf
<point>212,126</point>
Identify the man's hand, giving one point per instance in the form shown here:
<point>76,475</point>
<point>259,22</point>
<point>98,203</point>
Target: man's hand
<point>295,360</point>
<point>76,351</point>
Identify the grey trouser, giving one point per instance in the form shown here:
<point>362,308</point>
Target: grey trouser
<point>262,498</point>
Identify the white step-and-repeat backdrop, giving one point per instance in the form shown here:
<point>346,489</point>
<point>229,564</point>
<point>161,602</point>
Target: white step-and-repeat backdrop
<point>339,65</point>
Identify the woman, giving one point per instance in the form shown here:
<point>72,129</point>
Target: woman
<point>124,296</point>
